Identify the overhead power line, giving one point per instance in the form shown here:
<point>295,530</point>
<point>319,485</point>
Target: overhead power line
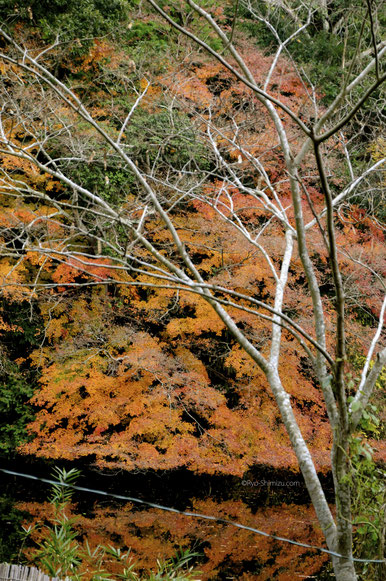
<point>187,513</point>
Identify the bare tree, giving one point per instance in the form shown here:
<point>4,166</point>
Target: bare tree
<point>311,135</point>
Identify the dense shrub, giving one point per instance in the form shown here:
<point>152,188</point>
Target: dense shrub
<point>70,19</point>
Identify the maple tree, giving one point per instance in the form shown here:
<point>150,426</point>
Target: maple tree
<point>169,268</point>
<point>154,535</point>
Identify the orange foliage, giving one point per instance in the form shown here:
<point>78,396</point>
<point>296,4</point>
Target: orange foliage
<point>151,378</point>
<point>135,401</point>
<point>154,534</point>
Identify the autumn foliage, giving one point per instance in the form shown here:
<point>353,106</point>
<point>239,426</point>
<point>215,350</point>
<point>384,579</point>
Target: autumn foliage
<point>224,550</point>
<point>135,376</point>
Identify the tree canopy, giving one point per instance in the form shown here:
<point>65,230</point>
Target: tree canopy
<point>196,227</point>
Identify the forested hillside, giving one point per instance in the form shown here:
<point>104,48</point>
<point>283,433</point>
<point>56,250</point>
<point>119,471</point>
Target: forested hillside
<point>192,249</point>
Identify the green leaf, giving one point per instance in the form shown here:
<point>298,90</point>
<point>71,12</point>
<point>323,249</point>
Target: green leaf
<point>356,406</point>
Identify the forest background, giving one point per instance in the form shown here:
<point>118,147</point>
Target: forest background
<point>102,363</point>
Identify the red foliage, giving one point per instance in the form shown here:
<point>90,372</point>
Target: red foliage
<point>154,534</point>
